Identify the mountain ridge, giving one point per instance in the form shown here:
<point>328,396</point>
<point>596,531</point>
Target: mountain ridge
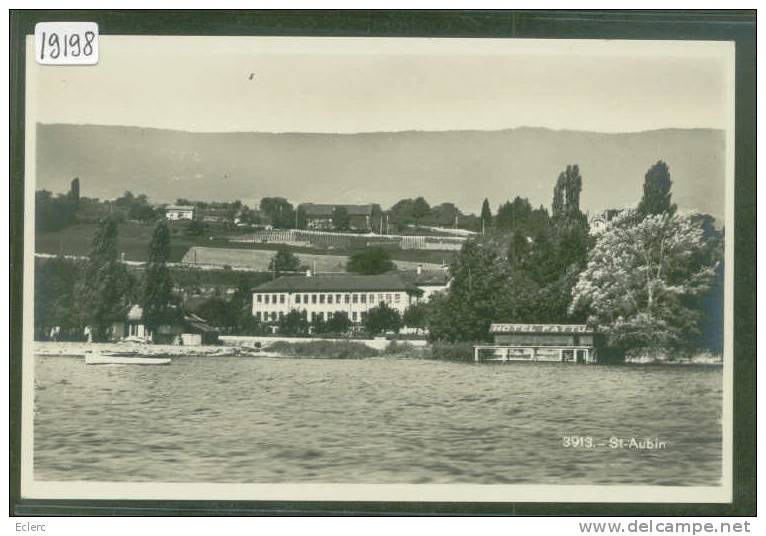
<point>461,166</point>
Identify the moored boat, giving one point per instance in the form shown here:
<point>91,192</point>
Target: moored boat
<point>122,358</point>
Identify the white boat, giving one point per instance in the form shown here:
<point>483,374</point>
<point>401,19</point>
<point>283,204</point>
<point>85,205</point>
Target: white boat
<point>122,358</point>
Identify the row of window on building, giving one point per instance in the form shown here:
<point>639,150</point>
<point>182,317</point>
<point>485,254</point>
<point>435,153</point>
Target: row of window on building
<point>308,315</point>
<point>329,298</point>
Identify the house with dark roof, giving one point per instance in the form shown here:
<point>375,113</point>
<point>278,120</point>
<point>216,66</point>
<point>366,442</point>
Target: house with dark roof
<point>190,330</point>
<point>429,282</point>
<point>325,295</point>
<point>319,217</point>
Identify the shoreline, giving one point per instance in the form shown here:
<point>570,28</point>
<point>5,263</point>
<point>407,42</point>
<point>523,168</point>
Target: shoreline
<point>320,349</point>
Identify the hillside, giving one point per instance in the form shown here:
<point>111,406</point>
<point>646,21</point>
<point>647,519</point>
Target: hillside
<point>458,166</point>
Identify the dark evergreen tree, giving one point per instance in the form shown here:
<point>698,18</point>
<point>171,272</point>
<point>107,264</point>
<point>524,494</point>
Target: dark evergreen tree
<point>656,198</point>
<point>514,216</point>
<point>518,251</point>
<point>340,219</point>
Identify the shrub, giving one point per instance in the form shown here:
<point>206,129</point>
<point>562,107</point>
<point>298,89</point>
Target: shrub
<point>405,349</point>
<point>324,349</point>
<point>457,350</point>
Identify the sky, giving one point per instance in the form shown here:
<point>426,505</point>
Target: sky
<point>220,84</point>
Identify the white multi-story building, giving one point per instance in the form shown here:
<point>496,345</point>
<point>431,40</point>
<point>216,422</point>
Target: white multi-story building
<point>326,295</point>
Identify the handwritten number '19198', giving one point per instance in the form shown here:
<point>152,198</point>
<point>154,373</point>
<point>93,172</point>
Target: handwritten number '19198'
<point>67,45</point>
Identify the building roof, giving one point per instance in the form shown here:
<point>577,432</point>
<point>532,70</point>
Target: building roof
<point>196,323</point>
<point>540,328</point>
<point>339,283</point>
<point>179,207</point>
<point>318,210</point>
<point>135,313</point>
<point>426,278</point>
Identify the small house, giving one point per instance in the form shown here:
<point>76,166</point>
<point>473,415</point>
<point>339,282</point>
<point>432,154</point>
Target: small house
<point>179,212</point>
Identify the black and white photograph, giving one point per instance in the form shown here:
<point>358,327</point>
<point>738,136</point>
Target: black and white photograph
<point>384,269</point>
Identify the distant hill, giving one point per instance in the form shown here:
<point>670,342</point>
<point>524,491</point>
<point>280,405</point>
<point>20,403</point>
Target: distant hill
<point>459,166</point>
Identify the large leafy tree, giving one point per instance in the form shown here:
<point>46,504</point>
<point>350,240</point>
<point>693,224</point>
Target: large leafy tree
<point>218,312</point>
<point>420,209</point>
<point>479,278</point>
<point>370,261</point>
<point>657,196</point>
<point>445,214</point>
<point>338,323</point>
<point>55,213</point>
<point>416,316</point>
<point>381,319</point>
<point>284,261</point>
<point>279,211</point>
<point>643,283</point>
<point>55,300</point>
<point>293,323</point>
<point>158,301</point>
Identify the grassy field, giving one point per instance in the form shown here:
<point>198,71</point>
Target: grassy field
<point>133,240</point>
<point>258,259</point>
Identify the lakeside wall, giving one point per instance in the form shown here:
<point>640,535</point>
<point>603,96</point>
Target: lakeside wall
<point>379,343</point>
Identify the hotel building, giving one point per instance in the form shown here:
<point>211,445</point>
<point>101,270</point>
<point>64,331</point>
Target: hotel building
<point>326,295</point>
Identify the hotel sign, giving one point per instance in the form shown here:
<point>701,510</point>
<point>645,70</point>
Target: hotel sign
<point>539,328</point>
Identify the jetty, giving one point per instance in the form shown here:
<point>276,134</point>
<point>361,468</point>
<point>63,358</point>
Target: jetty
<point>574,343</point>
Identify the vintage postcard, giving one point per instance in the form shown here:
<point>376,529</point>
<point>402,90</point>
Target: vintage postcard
<point>384,269</point>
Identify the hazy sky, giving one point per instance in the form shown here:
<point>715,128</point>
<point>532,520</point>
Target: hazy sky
<point>354,85</point>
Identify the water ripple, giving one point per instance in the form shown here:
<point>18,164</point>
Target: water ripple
<point>373,421</point>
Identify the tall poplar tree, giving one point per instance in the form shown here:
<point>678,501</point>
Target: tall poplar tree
<point>486,214</point>
<point>106,285</point>
<point>158,302</point>
<point>566,194</point>
<point>657,184</point>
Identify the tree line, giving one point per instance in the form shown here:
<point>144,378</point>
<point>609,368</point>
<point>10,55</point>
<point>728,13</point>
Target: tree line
<point>652,283</point>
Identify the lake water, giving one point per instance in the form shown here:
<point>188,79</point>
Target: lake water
<point>262,420</point>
